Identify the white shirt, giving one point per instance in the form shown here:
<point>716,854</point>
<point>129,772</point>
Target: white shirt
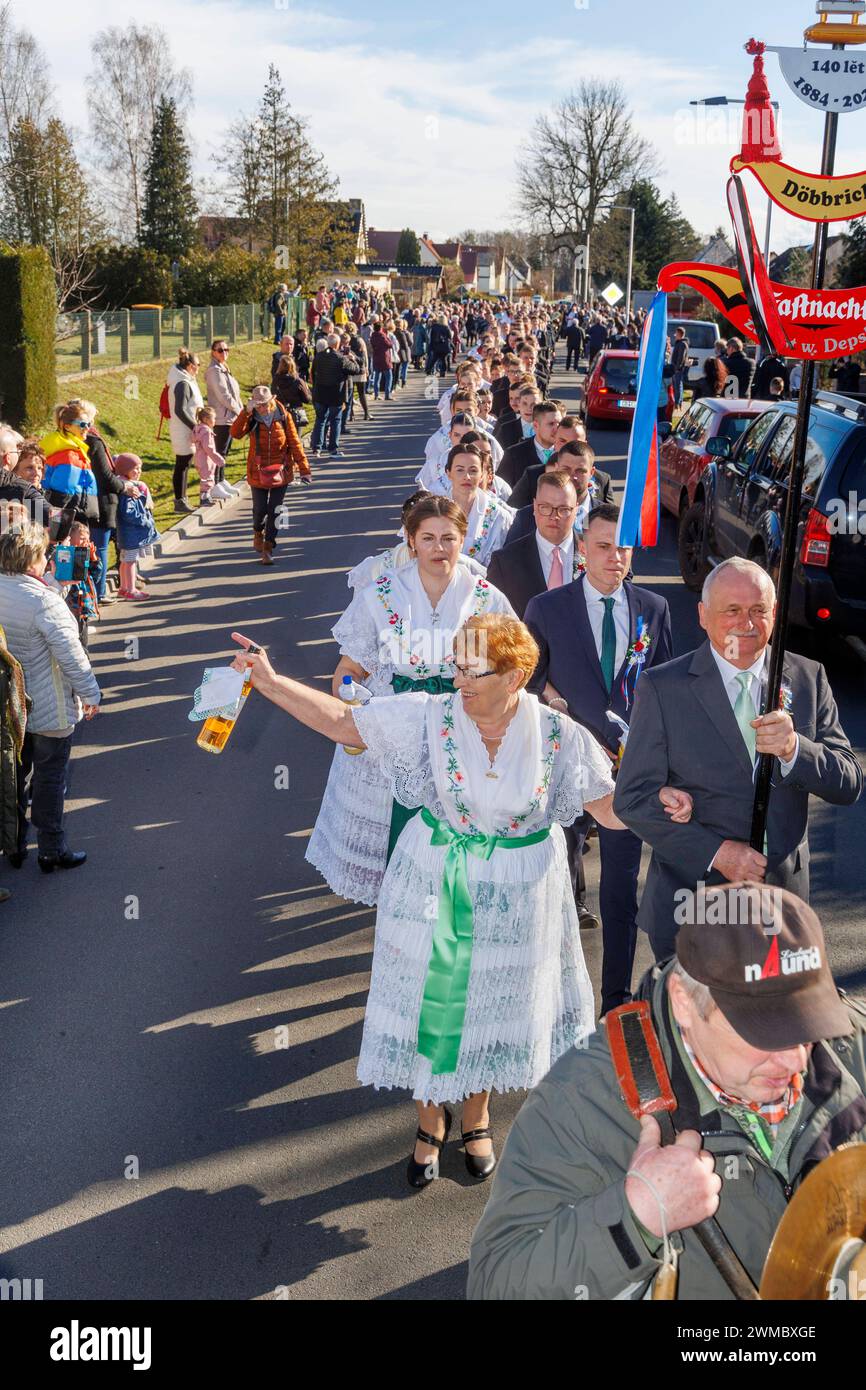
<point>622,622</point>
<point>758,671</point>
<point>545,555</point>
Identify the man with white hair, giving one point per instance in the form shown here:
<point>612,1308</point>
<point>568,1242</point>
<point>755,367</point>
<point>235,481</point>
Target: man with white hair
<point>697,725</point>
<point>331,370</point>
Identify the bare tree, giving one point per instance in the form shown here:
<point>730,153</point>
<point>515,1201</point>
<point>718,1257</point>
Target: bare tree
<point>575,161</point>
<point>133,70</point>
<point>240,157</point>
<point>25,82</point>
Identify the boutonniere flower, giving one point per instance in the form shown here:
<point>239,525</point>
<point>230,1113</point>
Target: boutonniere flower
<point>786,699</point>
<point>634,660</point>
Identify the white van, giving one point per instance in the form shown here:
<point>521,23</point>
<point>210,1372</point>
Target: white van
<point>703,336</point>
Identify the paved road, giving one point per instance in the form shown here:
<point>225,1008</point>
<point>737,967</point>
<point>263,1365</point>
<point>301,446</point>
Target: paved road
<point>180,1018</point>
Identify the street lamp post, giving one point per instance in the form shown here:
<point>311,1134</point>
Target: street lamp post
<point>620,208</point>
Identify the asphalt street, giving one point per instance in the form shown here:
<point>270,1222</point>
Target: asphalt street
<point>179,1019</point>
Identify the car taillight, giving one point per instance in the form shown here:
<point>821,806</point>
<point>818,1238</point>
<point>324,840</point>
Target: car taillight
<point>602,386</point>
<point>815,549</point>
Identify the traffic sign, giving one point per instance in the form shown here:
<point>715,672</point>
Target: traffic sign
<point>612,293</point>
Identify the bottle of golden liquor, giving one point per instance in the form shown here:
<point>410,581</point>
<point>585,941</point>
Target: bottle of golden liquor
<point>216,730</point>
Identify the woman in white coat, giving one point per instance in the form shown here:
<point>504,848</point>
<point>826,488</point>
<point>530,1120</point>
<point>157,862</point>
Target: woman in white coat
<point>184,399</point>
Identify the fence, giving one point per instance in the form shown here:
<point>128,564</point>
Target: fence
<point>96,339</point>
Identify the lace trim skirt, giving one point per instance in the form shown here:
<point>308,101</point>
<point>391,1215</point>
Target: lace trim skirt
<point>349,843</point>
<point>529,996</point>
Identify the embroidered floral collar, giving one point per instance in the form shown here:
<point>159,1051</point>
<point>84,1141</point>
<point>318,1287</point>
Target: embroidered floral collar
<point>456,774</point>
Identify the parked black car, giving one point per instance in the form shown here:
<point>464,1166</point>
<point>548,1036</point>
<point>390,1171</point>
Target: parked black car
<point>739,508</point>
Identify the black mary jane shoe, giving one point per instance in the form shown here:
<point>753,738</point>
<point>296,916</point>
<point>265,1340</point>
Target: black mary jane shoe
<point>69,859</point>
<point>478,1167</point>
<point>16,858</point>
<point>422,1174</point>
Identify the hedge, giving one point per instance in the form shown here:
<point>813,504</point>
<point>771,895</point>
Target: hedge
<point>28,317</point>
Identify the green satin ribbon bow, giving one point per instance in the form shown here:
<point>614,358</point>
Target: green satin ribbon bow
<point>443,1007</point>
<point>432,685</point>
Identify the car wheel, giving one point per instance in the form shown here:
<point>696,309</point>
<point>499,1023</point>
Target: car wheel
<point>691,547</point>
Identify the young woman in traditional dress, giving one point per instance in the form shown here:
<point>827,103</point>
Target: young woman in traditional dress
<point>478,980</point>
<point>396,636</point>
<point>488,520</point>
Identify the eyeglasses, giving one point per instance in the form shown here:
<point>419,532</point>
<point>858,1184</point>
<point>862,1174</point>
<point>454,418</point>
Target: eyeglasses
<point>82,424</point>
<point>549,512</point>
<point>221,349</point>
<point>471,676</point>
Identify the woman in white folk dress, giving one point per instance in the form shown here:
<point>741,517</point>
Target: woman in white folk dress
<point>368,570</point>
<point>396,636</point>
<point>488,520</point>
<point>478,980</point>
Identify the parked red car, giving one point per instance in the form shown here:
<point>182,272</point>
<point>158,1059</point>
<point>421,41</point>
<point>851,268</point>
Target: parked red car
<point>684,453</point>
<point>610,388</point>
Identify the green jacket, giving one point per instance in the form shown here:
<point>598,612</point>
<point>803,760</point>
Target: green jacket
<point>557,1225</point>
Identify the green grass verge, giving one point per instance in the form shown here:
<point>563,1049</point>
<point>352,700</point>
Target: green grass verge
<point>128,405</point>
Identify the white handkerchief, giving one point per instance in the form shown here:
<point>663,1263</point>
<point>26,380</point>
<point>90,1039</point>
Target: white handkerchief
<point>219,693</point>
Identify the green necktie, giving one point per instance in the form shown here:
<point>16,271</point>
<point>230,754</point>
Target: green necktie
<point>608,644</point>
<point>744,712</point>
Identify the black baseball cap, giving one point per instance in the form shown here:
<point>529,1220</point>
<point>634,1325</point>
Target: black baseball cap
<point>761,953</point>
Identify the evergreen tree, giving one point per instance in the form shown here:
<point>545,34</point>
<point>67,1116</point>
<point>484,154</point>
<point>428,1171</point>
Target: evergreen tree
<point>408,250</point>
<point>168,223</point>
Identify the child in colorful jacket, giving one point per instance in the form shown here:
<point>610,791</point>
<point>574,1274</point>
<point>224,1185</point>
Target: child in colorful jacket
<point>136,530</point>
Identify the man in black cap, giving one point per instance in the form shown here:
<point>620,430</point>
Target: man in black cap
<point>768,1066</point>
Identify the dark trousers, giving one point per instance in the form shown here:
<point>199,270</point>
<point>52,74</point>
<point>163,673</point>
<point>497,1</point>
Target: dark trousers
<point>222,438</point>
<point>361,388</point>
<point>266,503</point>
<point>101,537</point>
<point>620,852</point>
<point>42,778</point>
<point>575,836</point>
<point>279,327</point>
<point>327,418</point>
<point>575,353</point>
<point>181,468</point>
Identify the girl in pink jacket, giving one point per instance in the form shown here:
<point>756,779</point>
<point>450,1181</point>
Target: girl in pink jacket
<point>207,458</point>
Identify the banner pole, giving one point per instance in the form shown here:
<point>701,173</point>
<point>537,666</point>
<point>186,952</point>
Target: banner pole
<point>788,554</point>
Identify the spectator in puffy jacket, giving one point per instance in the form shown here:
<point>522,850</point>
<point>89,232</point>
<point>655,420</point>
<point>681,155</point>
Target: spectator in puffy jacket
<point>184,399</point>
<point>109,488</point>
<point>41,634</point>
<point>274,450</point>
<point>69,477</point>
<point>19,493</point>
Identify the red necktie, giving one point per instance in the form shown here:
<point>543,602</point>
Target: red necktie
<point>555,580</point>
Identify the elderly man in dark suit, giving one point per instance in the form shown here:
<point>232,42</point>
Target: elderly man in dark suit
<point>587,633</point>
<point>538,449</point>
<point>697,725</point>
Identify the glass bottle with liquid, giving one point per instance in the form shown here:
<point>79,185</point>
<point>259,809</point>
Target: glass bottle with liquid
<point>216,729</point>
<point>349,695</point>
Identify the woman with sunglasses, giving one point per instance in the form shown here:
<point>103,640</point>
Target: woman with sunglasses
<point>396,637</point>
<point>478,980</point>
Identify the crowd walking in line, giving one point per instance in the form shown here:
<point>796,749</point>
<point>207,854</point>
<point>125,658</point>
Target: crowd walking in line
<point>514,694</point>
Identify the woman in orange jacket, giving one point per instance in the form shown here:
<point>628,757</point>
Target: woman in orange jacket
<point>274,450</point>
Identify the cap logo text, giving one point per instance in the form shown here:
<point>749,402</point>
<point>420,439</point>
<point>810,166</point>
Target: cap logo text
<point>785,962</point>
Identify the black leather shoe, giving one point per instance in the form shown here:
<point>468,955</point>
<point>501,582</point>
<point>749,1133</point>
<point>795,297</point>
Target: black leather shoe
<point>479,1168</point>
<point>422,1174</point>
<point>69,859</point>
<point>16,858</point>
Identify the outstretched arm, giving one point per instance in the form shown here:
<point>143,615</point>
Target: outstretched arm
<point>314,708</point>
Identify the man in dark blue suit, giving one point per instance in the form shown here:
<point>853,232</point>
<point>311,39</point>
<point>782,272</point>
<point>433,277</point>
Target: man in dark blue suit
<point>587,633</point>
<point>591,485</point>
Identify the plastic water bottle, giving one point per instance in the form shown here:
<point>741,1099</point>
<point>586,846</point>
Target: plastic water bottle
<point>349,696</point>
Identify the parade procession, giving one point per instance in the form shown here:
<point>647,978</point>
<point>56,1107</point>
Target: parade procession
<point>507,945</point>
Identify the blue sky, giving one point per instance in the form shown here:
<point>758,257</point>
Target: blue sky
<point>421,109</point>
